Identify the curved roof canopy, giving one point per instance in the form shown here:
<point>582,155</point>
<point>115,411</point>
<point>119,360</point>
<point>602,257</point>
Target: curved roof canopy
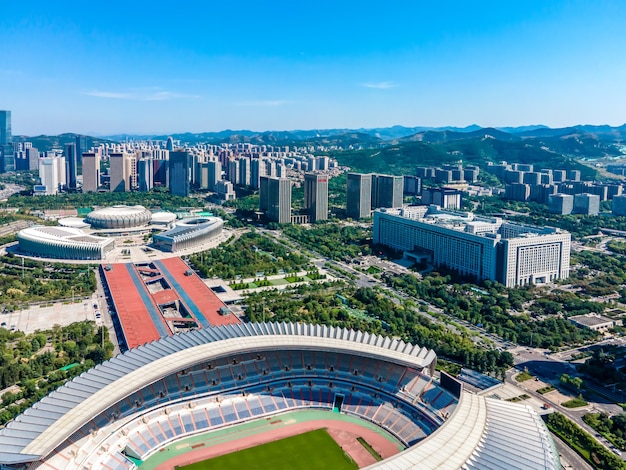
<point>45,425</point>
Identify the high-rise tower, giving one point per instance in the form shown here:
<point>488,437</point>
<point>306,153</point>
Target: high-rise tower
<point>359,195</point>
<point>6,143</point>
<point>316,196</point>
<point>387,191</point>
<point>91,172</point>
<point>69,152</point>
<point>180,172</point>
<point>275,198</point>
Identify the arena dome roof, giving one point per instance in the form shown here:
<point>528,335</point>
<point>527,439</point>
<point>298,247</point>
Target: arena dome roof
<point>163,217</point>
<point>477,433</point>
<point>73,222</point>
<point>119,216</point>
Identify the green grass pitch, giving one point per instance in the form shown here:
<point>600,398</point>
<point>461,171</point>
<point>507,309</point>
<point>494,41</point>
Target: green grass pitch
<point>309,451</point>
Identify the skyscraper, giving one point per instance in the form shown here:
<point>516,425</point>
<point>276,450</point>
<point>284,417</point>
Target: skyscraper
<point>358,195</point>
<point>120,171</point>
<point>91,172</point>
<point>145,174</point>
<point>180,172</point>
<point>387,191</point>
<point>5,128</point>
<point>244,171</point>
<point>169,144</point>
<point>275,198</point>
<point>214,174</point>
<point>316,196</point>
<point>69,151</point>
<point>6,143</point>
<point>257,169</point>
<point>81,147</point>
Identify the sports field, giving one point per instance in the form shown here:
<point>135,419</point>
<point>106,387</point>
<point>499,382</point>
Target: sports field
<point>308,451</point>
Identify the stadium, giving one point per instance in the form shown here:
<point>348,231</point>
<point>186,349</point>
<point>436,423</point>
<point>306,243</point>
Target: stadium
<point>188,233</point>
<point>119,217</point>
<point>63,243</point>
<point>148,401</point>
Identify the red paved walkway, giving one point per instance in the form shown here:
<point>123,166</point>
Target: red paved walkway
<point>137,323</point>
<point>205,299</point>
<point>133,315</point>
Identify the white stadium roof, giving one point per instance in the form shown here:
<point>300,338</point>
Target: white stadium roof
<point>480,432</point>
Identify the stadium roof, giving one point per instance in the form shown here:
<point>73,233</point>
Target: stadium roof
<point>481,433</point>
<point>44,426</point>
<point>62,235</point>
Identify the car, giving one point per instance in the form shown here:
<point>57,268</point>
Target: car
<point>3,324</point>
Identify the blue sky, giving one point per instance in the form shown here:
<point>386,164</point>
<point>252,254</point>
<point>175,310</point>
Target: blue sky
<point>164,67</point>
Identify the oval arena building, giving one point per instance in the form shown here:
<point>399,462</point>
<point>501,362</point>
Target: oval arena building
<point>188,233</point>
<point>129,409</point>
<point>119,217</point>
<point>63,243</point>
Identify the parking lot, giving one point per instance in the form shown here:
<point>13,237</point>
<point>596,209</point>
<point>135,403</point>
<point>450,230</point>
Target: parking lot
<point>44,317</point>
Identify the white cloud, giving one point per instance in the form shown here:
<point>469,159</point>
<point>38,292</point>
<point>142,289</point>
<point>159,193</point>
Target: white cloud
<point>263,103</point>
<point>145,94</point>
<point>108,94</point>
<point>380,85</point>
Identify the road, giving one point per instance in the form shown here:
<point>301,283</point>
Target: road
<point>569,458</point>
<point>549,370</point>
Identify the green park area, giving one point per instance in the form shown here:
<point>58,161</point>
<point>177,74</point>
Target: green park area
<point>251,255</point>
<point>309,451</point>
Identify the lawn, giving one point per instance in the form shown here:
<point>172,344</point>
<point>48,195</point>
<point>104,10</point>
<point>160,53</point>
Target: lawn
<point>523,376</point>
<point>574,403</point>
<point>309,451</point>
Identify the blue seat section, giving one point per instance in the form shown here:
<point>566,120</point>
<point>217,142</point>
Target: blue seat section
<point>235,389</point>
<point>187,423</point>
<point>242,410</point>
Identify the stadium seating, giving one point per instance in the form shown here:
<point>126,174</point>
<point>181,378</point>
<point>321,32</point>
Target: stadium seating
<point>228,391</point>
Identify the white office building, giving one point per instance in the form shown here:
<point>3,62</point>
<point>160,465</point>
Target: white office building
<point>485,248</point>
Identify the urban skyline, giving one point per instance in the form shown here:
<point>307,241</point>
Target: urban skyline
<point>128,69</point>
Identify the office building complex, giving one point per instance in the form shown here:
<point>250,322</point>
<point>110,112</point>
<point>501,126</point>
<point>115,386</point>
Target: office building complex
<point>316,196</point>
<point>358,195</point>
<point>275,198</point>
<point>387,191</point>
<point>91,172</point>
<point>6,143</point>
<point>485,248</point>
<point>180,172</point>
